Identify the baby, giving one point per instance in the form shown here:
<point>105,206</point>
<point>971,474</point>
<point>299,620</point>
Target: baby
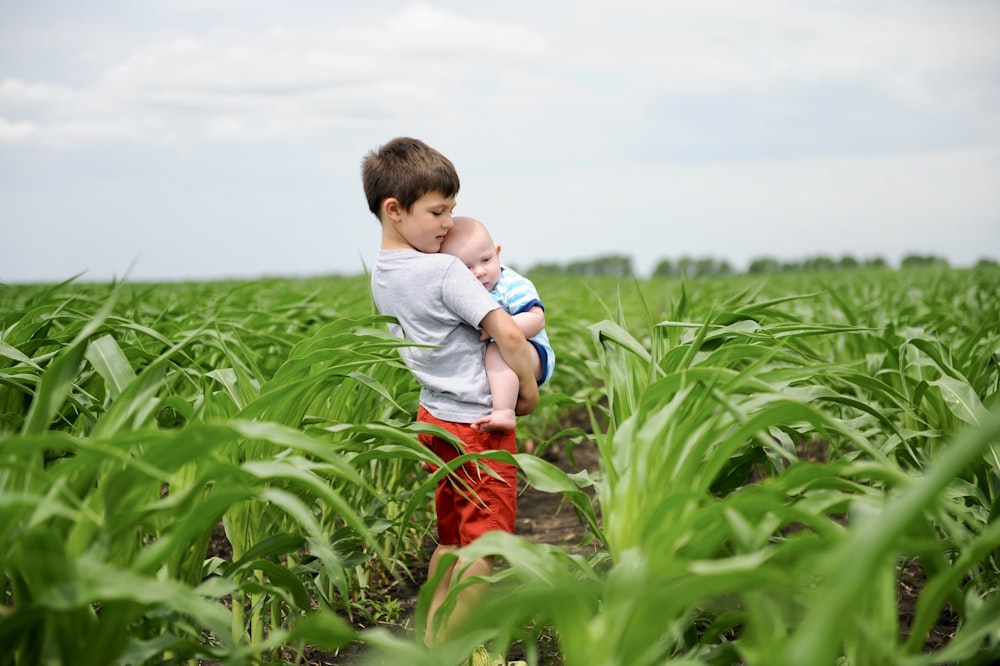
<point>470,241</point>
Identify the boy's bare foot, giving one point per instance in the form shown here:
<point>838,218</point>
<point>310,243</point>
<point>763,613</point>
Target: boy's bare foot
<point>499,419</point>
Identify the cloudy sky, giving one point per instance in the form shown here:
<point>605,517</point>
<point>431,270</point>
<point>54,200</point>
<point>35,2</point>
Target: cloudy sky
<point>192,139</point>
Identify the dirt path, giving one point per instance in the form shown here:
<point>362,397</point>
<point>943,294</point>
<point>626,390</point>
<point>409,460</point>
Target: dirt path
<point>541,518</point>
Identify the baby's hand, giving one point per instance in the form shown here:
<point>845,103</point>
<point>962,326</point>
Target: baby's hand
<point>484,336</point>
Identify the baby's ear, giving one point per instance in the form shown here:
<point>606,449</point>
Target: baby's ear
<point>498,250</point>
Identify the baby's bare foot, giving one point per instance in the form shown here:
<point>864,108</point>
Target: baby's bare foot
<point>498,420</point>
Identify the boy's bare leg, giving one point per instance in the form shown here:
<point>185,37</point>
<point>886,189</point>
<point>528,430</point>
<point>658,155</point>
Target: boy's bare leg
<point>467,599</point>
<point>440,592</point>
<point>504,386</point>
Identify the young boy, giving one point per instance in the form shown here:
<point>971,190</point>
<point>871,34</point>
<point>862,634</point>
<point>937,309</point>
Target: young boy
<point>411,189</point>
<point>470,241</point>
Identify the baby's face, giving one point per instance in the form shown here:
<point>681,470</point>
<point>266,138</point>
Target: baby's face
<point>481,257</point>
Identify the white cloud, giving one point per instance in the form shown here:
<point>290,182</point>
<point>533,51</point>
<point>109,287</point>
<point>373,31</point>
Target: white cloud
<point>283,81</point>
<point>234,83</point>
<point>12,132</point>
<point>21,96</point>
<point>655,129</point>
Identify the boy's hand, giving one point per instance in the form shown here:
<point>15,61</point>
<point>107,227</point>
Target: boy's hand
<point>526,401</point>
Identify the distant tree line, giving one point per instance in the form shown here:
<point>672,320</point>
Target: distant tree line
<point>612,265</point>
<point>616,265</point>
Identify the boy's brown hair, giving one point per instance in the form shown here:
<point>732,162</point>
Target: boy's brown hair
<point>406,169</point>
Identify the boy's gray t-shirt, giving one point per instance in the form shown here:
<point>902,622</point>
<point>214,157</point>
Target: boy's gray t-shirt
<point>437,301</point>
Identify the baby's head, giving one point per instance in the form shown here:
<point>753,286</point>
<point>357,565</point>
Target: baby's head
<point>470,241</point>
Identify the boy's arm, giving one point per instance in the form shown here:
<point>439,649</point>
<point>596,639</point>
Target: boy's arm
<point>512,345</point>
<point>531,321</point>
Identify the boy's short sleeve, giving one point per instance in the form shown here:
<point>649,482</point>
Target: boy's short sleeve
<point>464,295</point>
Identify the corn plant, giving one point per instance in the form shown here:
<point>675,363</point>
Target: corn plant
<point>135,419</point>
<point>702,566</point>
<point>122,507</point>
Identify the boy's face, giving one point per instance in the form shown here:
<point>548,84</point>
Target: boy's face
<point>421,228</point>
<point>480,256</point>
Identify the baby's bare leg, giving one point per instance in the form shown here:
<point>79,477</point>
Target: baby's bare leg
<point>504,386</point>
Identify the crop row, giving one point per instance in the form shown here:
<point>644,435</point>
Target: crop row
<point>136,419</point>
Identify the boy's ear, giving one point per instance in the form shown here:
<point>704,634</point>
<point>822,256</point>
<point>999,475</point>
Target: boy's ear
<point>392,208</point>
<point>498,251</point>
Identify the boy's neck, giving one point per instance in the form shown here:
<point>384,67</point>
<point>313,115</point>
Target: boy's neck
<point>395,244</point>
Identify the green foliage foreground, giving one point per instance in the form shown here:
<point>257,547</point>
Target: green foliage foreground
<point>137,419</point>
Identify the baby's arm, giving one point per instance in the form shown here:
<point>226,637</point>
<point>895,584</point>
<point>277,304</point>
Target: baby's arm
<point>531,321</point>
<point>511,343</point>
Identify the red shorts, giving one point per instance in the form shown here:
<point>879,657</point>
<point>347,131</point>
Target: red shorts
<point>463,516</point>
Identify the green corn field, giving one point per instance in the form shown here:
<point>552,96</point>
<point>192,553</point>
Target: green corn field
<point>143,424</point>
